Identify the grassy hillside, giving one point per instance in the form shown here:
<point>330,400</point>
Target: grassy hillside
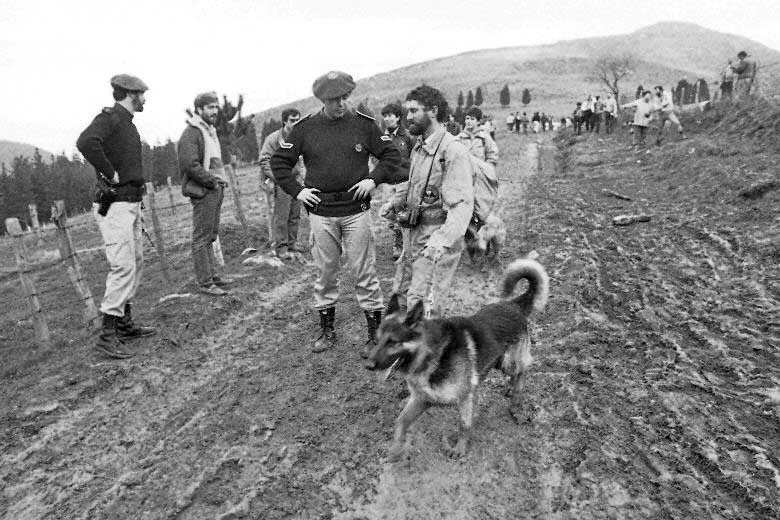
<point>9,150</point>
<point>557,74</point>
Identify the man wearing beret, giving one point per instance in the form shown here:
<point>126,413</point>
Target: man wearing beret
<point>335,145</point>
<point>203,181</point>
<point>112,145</point>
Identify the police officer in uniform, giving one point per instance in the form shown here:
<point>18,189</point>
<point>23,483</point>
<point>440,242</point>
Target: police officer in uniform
<point>112,145</point>
<point>335,144</point>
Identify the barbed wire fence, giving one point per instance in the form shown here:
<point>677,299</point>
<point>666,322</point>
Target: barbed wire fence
<point>60,264</point>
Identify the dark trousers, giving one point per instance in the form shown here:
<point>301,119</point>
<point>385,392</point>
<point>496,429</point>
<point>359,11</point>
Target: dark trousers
<point>609,122</point>
<point>587,115</point>
<point>205,229</point>
<point>595,123</point>
<point>577,125</point>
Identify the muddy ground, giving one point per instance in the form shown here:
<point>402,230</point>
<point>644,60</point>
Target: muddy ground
<point>655,391</point>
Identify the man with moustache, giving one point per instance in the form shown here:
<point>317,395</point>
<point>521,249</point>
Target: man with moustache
<point>112,145</point>
<point>434,206</point>
<point>203,181</point>
<point>335,144</point>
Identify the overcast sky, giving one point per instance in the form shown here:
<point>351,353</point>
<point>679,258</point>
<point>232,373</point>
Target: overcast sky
<point>56,57</point>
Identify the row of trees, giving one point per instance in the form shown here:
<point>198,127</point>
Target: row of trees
<point>505,100</point>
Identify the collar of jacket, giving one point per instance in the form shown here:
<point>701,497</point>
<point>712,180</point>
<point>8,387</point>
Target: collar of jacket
<point>469,135</point>
<point>432,142</point>
<point>122,111</point>
<point>199,123</point>
<point>394,132</point>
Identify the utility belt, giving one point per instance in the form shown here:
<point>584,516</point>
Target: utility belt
<point>339,204</point>
<point>105,195</point>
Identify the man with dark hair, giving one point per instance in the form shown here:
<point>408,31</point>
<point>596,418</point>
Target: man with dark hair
<point>112,145</point>
<point>335,145</point>
<point>402,140</point>
<point>203,180</point>
<point>610,113</point>
<point>434,206</point>
<point>476,140</point>
<point>642,117</point>
<point>287,210</point>
<point>598,111</point>
<point>452,126</point>
<point>577,117</point>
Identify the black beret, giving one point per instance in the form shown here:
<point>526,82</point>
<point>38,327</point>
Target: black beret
<point>128,82</point>
<point>332,85</point>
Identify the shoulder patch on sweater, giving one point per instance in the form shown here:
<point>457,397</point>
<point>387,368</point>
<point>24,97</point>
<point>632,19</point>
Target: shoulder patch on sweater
<point>285,144</point>
<point>358,112</point>
<point>108,110</point>
<point>301,120</point>
<point>385,138</point>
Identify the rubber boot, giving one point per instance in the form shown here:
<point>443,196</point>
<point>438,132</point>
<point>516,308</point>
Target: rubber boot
<point>373,319</point>
<point>108,343</point>
<point>127,329</point>
<point>327,337</point>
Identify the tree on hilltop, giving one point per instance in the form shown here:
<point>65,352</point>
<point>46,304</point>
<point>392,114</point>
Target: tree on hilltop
<point>478,97</point>
<point>526,97</point>
<point>503,96</point>
<point>470,99</point>
<point>460,98</point>
<point>610,69</point>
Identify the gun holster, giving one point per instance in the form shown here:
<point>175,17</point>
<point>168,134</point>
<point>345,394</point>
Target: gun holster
<point>106,197</point>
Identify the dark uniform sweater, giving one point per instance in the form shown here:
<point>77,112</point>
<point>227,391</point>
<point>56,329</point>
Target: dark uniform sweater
<point>112,145</point>
<point>335,153</point>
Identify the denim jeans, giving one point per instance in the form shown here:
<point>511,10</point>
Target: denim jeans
<point>205,229</point>
<point>121,233</point>
<point>351,234</point>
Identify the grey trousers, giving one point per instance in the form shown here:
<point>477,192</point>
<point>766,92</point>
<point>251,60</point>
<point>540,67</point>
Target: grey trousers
<point>205,229</point>
<point>287,214</point>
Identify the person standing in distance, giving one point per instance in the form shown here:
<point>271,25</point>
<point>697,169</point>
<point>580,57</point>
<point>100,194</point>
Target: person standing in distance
<point>402,140</point>
<point>287,210</point>
<point>111,144</point>
<point>203,181</point>
<point>335,144</point>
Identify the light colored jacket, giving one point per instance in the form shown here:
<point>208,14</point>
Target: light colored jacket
<point>610,105</point>
<point>644,111</point>
<point>270,145</point>
<point>480,145</point>
<point>451,187</point>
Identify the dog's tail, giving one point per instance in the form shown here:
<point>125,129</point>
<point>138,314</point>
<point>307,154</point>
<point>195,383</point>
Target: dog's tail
<point>535,298</point>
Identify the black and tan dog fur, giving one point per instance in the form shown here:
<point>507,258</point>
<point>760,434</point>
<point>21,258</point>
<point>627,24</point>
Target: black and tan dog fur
<point>444,360</point>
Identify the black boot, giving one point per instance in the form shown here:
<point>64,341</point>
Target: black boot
<point>373,319</point>
<point>108,343</point>
<point>127,329</point>
<point>327,337</point>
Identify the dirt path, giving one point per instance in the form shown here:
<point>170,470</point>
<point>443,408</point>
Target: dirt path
<point>654,393</point>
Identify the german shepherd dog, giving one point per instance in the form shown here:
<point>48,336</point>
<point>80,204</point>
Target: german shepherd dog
<point>444,360</point>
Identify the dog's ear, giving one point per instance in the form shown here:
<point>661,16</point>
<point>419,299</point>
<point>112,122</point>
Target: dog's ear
<point>392,305</point>
<point>415,315</point>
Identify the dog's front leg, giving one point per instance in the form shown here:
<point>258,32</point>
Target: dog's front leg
<point>467,408</point>
<point>414,407</point>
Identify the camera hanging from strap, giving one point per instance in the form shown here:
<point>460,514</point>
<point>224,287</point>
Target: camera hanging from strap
<point>428,177</point>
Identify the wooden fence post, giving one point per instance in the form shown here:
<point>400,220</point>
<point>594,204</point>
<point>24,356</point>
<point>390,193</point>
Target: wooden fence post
<point>217,246</point>
<point>170,195</point>
<point>34,217</point>
<point>42,336</point>
<point>237,199</point>
<point>159,243</point>
<point>73,266</point>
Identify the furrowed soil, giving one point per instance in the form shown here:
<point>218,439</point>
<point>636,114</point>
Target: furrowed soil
<point>655,391</point>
